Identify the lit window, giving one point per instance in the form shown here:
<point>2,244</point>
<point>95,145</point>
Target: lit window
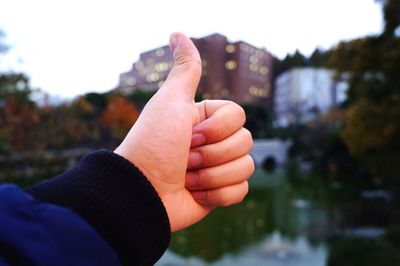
<point>165,66</point>
<point>264,70</point>
<point>258,92</point>
<point>253,90</point>
<point>159,67</point>
<point>160,52</point>
<point>230,65</point>
<point>151,77</point>
<point>254,59</point>
<point>230,48</point>
<point>155,76</point>
<point>139,65</point>
<point>224,92</point>
<point>131,81</point>
<point>253,67</point>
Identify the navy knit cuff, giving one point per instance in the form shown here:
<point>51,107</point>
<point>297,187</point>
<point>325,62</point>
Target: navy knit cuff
<point>117,200</point>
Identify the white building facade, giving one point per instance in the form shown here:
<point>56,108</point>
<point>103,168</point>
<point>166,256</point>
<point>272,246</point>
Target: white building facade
<point>302,94</point>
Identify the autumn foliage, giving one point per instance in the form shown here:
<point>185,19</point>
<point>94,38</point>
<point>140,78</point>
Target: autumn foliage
<point>91,120</point>
<point>119,116</point>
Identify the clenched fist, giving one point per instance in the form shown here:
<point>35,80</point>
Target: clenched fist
<point>194,154</point>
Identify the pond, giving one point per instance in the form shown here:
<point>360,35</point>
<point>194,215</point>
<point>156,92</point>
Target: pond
<point>290,218</point>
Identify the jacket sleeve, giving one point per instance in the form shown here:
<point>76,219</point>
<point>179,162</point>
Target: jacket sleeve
<point>36,233</point>
<point>119,203</point>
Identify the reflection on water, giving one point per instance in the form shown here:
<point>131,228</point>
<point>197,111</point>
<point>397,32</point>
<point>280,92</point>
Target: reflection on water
<point>272,225</point>
<point>295,218</point>
<point>273,250</point>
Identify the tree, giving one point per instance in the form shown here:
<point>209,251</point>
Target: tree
<point>140,97</point>
<point>371,67</point>
<point>318,58</point>
<point>258,120</point>
<point>290,61</point>
<point>392,16</point>
<point>372,134</point>
<point>18,113</point>
<point>119,116</point>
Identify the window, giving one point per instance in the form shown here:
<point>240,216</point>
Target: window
<point>258,92</point>
<point>253,67</point>
<point>230,48</point>
<point>224,92</point>
<point>264,70</point>
<point>131,81</point>
<point>160,67</point>
<point>160,52</point>
<point>153,76</point>
<point>230,65</point>
<point>254,59</point>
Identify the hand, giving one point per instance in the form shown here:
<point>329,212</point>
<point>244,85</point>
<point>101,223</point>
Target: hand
<point>195,155</point>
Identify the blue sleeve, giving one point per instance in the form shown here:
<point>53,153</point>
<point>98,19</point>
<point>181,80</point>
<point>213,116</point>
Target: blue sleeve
<point>37,233</point>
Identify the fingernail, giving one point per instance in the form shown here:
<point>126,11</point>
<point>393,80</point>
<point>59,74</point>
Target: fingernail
<point>199,196</point>
<point>191,179</point>
<point>197,140</point>
<point>173,42</point>
<point>195,159</point>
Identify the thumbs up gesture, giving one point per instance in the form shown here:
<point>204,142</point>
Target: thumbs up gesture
<point>194,154</point>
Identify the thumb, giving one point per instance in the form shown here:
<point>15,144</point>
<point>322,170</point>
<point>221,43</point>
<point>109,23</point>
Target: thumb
<point>184,77</point>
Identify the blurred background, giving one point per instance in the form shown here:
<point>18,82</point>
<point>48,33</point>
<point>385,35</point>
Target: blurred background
<point>319,81</point>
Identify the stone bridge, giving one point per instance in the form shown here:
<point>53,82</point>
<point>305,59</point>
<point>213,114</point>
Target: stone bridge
<point>274,149</point>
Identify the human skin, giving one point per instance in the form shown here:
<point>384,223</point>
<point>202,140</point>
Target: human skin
<point>194,154</point>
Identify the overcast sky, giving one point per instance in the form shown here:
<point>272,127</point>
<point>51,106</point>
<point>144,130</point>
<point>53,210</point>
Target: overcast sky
<point>72,47</point>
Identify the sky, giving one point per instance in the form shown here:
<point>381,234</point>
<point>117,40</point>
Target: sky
<point>68,48</point>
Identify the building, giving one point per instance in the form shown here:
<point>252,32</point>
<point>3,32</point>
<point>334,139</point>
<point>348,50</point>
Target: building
<point>236,71</point>
<point>302,94</point>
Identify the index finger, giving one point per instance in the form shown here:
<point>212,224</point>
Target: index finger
<point>218,120</point>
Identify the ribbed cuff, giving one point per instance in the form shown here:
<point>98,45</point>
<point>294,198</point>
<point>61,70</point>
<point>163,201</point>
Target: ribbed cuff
<point>117,200</point>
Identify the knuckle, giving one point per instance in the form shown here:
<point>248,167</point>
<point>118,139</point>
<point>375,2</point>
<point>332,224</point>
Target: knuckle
<point>245,190</point>
<point>225,199</point>
<point>205,178</point>
<point>248,138</point>
<point>251,165</point>
<point>226,202</point>
<point>236,198</point>
<point>241,113</point>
